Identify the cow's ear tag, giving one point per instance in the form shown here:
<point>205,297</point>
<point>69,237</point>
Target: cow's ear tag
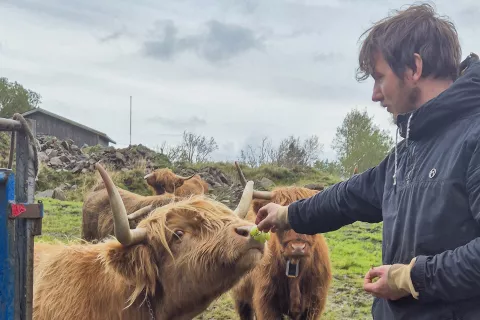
<point>292,269</point>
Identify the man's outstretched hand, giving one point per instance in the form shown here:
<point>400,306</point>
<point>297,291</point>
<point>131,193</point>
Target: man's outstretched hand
<point>272,217</point>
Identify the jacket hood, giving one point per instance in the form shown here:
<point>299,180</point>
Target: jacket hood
<point>458,100</point>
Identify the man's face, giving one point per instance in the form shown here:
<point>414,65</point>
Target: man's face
<point>396,95</point>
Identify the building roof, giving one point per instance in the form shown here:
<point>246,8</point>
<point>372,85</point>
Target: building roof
<point>68,121</point>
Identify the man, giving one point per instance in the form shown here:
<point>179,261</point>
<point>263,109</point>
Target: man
<point>426,192</point>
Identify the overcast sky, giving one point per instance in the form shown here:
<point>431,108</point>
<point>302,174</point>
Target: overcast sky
<point>234,70</point>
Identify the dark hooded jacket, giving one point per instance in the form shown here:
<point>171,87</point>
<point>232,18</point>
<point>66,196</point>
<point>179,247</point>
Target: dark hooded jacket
<point>427,193</point>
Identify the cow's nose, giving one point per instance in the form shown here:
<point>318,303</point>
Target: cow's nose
<point>298,247</point>
<point>243,231</point>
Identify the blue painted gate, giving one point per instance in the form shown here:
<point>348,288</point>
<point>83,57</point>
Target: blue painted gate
<point>20,221</point>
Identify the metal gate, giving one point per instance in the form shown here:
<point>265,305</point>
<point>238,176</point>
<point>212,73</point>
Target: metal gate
<point>20,220</point>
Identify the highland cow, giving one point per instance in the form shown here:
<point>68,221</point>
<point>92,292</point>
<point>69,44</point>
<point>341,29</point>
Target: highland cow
<point>294,275</point>
<point>177,260</point>
<point>97,218</point>
<point>165,181</point>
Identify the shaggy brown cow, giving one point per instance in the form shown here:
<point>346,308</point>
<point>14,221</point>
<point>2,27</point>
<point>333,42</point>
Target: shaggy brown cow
<point>97,218</point>
<point>172,266</point>
<point>295,274</point>
<point>164,180</point>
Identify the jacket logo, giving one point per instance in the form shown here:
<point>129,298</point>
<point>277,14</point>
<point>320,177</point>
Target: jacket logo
<point>432,173</point>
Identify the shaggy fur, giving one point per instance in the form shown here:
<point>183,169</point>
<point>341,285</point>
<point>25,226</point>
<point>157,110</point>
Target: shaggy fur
<point>267,292</point>
<point>165,181</point>
<point>97,219</point>
<point>194,252</point>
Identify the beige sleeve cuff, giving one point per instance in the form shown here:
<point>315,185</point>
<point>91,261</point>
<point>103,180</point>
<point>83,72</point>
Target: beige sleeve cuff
<point>399,278</point>
<point>283,217</point>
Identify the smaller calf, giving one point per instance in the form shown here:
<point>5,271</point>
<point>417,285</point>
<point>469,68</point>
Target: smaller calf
<point>165,181</point>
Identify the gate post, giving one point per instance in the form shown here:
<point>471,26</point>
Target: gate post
<point>20,221</point>
<point>7,246</point>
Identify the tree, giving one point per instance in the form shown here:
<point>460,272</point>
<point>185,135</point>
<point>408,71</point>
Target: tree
<point>331,167</point>
<point>291,152</point>
<point>255,157</point>
<point>193,149</point>
<point>360,142</point>
<point>15,98</point>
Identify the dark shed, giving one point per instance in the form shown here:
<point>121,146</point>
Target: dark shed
<point>48,123</point>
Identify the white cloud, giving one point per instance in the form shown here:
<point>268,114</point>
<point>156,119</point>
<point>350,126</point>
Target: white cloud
<point>234,70</point>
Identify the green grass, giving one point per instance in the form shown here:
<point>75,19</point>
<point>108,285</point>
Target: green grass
<point>353,249</point>
<point>62,221</point>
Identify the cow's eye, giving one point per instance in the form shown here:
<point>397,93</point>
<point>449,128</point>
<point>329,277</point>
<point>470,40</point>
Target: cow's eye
<point>179,233</point>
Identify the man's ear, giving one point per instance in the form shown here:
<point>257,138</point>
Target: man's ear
<point>417,74</point>
<point>413,76</point>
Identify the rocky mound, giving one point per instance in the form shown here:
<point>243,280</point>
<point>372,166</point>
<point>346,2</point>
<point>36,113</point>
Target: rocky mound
<point>65,155</point>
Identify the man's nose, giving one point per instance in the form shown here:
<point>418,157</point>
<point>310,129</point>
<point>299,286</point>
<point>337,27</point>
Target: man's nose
<point>377,96</point>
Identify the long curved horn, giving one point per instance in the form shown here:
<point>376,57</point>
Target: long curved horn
<point>140,212</point>
<point>120,221</point>
<point>265,195</point>
<point>242,209</point>
<point>185,178</point>
<point>148,175</point>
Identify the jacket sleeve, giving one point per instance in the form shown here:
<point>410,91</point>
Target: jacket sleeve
<point>356,199</point>
<point>453,274</point>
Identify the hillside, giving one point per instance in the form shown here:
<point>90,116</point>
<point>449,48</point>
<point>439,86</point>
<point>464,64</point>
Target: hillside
<point>67,174</point>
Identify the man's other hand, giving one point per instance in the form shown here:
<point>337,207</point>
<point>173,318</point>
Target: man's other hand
<point>394,281</point>
<point>272,217</point>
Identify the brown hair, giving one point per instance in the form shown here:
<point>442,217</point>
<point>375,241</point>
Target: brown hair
<point>414,30</point>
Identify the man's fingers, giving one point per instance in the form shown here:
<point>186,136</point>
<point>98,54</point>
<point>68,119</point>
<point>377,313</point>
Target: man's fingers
<point>262,225</point>
<point>368,283</point>
<point>369,286</point>
<point>259,218</point>
<point>374,272</point>
<point>261,214</point>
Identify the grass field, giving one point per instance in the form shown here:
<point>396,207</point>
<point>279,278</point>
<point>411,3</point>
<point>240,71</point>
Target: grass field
<point>353,249</point>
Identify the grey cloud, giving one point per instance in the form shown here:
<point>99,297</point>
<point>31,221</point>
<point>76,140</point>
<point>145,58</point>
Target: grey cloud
<point>469,16</point>
<point>87,12</point>
<point>165,48</point>
<point>328,57</point>
<point>219,43</point>
<point>243,6</point>
<point>183,124</point>
<point>318,90</point>
<point>227,40</point>
<point>112,36</point>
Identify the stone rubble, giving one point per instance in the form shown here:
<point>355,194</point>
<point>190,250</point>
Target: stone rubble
<point>65,155</point>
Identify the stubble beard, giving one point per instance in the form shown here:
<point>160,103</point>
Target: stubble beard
<point>411,101</point>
